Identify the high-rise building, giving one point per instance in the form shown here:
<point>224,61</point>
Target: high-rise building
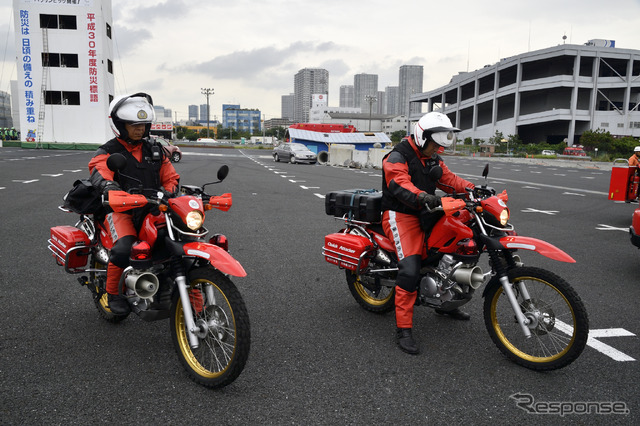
<point>382,102</point>
<point>307,82</point>
<point>5,110</point>
<point>193,112</point>
<point>241,119</point>
<point>346,97</point>
<point>204,113</point>
<point>65,70</point>
<point>391,99</point>
<point>287,106</point>
<point>365,92</point>
<point>410,80</point>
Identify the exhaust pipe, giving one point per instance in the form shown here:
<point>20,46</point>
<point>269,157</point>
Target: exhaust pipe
<point>472,277</point>
<point>145,284</point>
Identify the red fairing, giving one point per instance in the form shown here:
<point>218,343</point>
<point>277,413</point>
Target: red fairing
<point>185,204</point>
<point>534,244</point>
<point>449,230</point>
<point>219,258</point>
<point>149,229</point>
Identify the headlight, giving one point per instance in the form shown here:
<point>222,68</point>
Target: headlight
<point>194,220</point>
<point>504,217</point>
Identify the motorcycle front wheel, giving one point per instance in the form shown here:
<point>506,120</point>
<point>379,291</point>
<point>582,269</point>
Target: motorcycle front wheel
<point>223,327</point>
<point>559,323</point>
<point>378,300</point>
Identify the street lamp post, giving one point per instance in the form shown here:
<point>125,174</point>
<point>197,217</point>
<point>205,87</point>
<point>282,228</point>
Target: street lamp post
<point>371,100</point>
<point>207,92</point>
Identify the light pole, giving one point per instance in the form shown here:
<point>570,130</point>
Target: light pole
<point>207,92</point>
<point>371,100</point>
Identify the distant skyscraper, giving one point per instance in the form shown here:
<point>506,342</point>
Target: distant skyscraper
<point>307,82</point>
<point>287,106</point>
<point>391,99</point>
<point>193,112</point>
<point>365,85</point>
<point>346,97</point>
<point>411,77</point>
<point>382,102</point>
<point>203,113</point>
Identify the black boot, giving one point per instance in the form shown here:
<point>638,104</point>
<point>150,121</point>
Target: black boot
<point>455,314</point>
<point>404,339</point>
<point>118,304</point>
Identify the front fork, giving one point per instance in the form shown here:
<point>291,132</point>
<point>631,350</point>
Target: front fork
<point>189,322</point>
<point>190,325</point>
<point>507,287</point>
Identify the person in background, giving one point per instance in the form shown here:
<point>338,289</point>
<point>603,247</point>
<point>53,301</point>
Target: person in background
<point>634,160</point>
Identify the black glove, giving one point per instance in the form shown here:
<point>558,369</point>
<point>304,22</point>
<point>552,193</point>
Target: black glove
<point>430,200</point>
<point>166,194</point>
<point>110,186</point>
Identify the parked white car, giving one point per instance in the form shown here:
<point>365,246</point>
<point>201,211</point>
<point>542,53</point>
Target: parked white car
<point>548,152</point>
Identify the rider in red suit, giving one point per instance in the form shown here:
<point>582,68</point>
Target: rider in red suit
<point>406,188</point>
<point>130,118</point>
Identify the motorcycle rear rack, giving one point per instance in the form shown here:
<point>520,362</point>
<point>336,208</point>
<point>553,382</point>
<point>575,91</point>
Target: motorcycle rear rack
<point>63,258</point>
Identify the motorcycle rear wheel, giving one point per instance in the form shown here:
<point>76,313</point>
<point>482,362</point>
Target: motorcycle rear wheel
<point>379,302</point>
<point>224,330</point>
<point>96,283</point>
<point>559,322</point>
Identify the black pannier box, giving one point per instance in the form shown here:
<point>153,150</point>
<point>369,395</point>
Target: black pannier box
<point>364,205</point>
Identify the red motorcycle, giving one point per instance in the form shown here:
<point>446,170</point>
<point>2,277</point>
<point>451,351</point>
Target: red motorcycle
<point>533,316</point>
<point>174,272</point>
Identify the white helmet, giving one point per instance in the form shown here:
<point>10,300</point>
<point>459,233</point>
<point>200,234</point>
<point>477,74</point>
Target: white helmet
<point>437,127</point>
<point>131,109</point>
<point>636,149</point>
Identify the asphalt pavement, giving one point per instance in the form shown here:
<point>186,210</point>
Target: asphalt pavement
<point>316,356</point>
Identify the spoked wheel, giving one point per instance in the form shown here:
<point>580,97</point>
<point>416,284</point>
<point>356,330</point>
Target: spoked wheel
<point>379,300</point>
<point>276,158</point>
<point>96,283</point>
<point>175,157</point>
<point>223,329</point>
<point>559,323</point>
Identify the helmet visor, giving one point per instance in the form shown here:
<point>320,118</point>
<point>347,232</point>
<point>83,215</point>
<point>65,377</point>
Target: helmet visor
<point>444,138</point>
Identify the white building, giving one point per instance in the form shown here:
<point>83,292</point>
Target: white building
<point>547,95</point>
<point>65,70</point>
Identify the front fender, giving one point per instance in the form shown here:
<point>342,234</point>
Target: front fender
<point>217,256</point>
<point>534,244</point>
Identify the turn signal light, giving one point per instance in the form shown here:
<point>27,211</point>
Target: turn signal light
<point>467,247</point>
<point>220,241</point>
<point>141,251</point>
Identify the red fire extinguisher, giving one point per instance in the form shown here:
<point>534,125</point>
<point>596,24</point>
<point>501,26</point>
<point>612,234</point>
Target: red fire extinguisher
<point>632,193</point>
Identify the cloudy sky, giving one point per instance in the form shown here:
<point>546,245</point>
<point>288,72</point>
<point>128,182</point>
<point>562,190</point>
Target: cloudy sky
<point>248,51</point>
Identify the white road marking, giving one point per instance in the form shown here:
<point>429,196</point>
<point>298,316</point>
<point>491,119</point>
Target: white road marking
<point>530,210</point>
<point>319,195</point>
<point>603,348</point>
<point>603,227</point>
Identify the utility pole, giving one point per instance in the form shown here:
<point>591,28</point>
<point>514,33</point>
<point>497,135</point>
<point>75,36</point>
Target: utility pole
<point>371,100</point>
<point>207,93</point>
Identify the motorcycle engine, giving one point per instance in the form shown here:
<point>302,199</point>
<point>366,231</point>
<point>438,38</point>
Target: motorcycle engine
<point>448,281</point>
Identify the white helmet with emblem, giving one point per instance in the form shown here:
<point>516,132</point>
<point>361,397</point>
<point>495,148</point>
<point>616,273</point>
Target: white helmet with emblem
<point>131,109</point>
<point>437,127</point>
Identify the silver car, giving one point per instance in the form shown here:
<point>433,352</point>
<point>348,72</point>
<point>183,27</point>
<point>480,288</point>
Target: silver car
<point>294,153</point>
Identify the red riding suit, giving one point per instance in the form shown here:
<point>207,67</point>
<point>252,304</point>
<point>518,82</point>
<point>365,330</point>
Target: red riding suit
<point>147,163</point>
<point>405,175</point>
